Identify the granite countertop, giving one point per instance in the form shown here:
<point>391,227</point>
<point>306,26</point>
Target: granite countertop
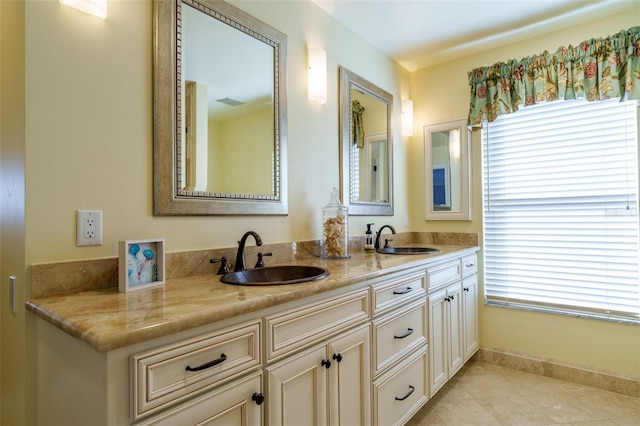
<point>107,320</point>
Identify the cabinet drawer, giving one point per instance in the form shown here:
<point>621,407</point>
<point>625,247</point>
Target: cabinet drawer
<point>295,328</point>
<point>233,404</point>
<point>398,290</point>
<point>441,275</point>
<point>469,265</point>
<point>397,334</point>
<point>400,393</point>
<point>162,376</point>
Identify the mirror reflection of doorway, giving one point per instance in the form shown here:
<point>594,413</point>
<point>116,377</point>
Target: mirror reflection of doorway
<point>375,170</point>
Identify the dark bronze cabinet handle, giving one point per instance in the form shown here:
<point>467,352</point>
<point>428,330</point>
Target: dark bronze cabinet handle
<point>405,291</point>
<point>411,389</point>
<point>407,334</point>
<point>258,398</point>
<point>466,288</point>
<point>469,265</point>
<point>337,357</point>
<point>213,363</point>
<point>326,363</point>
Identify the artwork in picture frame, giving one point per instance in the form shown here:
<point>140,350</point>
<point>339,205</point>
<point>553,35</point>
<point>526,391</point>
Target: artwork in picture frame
<point>141,264</point>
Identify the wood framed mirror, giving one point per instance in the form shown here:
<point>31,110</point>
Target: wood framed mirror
<point>366,146</point>
<point>220,116</point>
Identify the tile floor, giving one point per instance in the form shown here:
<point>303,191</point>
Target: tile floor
<point>486,394</point>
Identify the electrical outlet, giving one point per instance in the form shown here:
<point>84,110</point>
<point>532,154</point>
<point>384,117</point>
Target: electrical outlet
<point>89,228</point>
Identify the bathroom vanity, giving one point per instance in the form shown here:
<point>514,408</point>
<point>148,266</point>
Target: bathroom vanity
<point>369,344</point>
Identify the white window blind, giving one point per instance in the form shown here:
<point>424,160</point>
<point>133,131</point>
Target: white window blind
<point>561,209</point>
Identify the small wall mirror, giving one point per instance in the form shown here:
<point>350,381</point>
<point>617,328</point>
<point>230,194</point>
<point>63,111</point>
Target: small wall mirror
<point>447,171</point>
<point>219,111</point>
<point>366,141</point>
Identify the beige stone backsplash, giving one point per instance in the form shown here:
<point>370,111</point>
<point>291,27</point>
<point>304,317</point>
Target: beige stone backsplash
<point>52,279</point>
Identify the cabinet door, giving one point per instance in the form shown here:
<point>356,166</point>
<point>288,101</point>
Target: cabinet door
<point>297,389</point>
<point>350,378</point>
<point>455,333</point>
<point>438,364</point>
<point>470,314</point>
<point>232,405</point>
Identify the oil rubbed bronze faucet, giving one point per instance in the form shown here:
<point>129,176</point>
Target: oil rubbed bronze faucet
<point>377,244</point>
<point>240,262</point>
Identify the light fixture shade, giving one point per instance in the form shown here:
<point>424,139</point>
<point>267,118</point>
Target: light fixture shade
<point>93,7</point>
<point>407,117</point>
<point>317,85</point>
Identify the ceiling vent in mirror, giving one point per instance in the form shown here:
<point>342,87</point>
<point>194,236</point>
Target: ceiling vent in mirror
<point>230,102</point>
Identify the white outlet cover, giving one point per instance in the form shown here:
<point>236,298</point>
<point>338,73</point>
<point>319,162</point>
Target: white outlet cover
<point>82,216</point>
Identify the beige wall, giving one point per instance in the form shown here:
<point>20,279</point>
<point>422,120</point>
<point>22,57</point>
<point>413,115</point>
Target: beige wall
<point>242,151</point>
<point>441,93</point>
<point>86,134</point>
<point>89,142</point>
<point>87,139</point>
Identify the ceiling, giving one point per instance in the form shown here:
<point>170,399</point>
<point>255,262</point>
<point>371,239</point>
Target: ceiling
<point>421,33</point>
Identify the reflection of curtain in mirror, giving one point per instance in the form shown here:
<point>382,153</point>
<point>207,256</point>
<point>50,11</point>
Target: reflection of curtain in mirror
<point>455,170</point>
<point>357,127</point>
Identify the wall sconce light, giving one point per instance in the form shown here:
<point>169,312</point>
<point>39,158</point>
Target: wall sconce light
<point>93,7</point>
<point>407,118</point>
<point>317,85</point>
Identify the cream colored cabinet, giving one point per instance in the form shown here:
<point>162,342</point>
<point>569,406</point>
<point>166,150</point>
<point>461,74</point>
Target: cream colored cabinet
<point>399,350</point>
<point>398,334</point>
<point>238,404</point>
<point>372,352</point>
<point>327,384</point>
<point>445,335</point>
<point>453,318</point>
<point>171,373</point>
<point>350,378</point>
<point>400,392</point>
<point>470,314</point>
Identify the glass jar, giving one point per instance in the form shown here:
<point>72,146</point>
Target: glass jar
<point>335,218</point>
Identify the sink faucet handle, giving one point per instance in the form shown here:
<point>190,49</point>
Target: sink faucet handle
<point>387,241</point>
<point>260,263</point>
<point>376,245</point>
<point>224,265</point>
<point>240,262</point>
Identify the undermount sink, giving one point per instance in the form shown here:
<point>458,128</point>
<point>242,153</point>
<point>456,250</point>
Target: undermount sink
<point>275,275</point>
<point>408,250</point>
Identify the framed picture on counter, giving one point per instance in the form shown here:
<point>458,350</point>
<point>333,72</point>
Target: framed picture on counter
<point>141,264</point>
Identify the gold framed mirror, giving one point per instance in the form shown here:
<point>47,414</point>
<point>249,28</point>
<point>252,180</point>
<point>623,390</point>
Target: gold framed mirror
<point>220,116</point>
<point>366,146</point>
<point>447,171</point>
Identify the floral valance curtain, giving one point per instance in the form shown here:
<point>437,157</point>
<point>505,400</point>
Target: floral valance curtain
<point>597,69</point>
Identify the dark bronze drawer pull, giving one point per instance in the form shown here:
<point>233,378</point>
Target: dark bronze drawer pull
<point>407,334</point>
<point>411,389</point>
<point>258,398</point>
<point>405,291</point>
<point>213,363</point>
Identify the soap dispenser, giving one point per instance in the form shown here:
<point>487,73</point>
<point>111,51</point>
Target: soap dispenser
<point>334,228</point>
<point>368,238</point>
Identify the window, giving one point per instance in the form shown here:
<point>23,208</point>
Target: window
<point>560,192</point>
